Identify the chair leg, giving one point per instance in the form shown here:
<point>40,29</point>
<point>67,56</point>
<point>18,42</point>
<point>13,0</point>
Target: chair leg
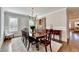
<point>46,48</point>
<point>28,47</point>
<point>26,43</point>
<point>22,39</point>
<point>50,48</point>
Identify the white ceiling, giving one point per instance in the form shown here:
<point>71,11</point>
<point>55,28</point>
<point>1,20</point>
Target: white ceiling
<point>28,10</point>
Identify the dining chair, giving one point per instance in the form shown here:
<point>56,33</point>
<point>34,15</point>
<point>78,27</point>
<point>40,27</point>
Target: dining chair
<point>46,41</point>
<point>57,33</point>
<point>49,33</point>
<point>24,37</point>
<point>30,39</point>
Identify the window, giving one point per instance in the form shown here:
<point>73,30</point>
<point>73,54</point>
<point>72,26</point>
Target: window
<point>13,24</point>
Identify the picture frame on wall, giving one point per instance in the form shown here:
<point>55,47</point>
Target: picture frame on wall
<point>41,24</point>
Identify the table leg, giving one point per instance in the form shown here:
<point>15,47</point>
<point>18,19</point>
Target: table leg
<point>37,46</point>
<point>60,38</point>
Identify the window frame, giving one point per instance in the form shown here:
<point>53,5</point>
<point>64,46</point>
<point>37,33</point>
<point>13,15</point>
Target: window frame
<point>16,26</point>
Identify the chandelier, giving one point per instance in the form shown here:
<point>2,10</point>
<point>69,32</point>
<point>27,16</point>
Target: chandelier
<point>33,15</point>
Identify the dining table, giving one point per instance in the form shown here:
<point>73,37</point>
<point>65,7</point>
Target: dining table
<point>39,36</point>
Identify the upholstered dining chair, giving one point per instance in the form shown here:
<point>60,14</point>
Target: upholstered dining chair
<point>24,37</point>
<point>46,40</point>
<point>57,33</point>
<point>31,40</point>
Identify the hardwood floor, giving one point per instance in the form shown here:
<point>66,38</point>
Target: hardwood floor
<point>7,46</point>
<point>72,47</point>
<point>13,45</point>
<point>16,45</point>
<point>73,44</point>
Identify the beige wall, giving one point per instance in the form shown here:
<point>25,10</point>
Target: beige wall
<point>58,20</point>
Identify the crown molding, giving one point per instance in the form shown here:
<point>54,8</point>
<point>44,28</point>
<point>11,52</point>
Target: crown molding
<point>51,13</point>
<point>40,16</point>
<point>14,11</point>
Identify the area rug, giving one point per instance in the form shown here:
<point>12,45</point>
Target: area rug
<point>18,46</point>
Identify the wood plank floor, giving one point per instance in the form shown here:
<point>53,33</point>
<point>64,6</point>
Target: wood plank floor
<point>73,44</point>
<point>72,47</point>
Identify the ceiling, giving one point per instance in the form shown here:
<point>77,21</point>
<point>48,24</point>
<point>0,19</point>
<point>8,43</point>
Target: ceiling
<point>28,10</point>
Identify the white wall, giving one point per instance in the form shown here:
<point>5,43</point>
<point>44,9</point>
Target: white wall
<point>0,22</point>
<point>2,26</point>
<point>58,20</point>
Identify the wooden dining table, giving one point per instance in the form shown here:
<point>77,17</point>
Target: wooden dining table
<point>39,36</point>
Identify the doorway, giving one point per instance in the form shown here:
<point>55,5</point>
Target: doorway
<point>73,21</point>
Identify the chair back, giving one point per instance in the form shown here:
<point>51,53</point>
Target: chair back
<point>25,34</point>
<point>49,33</point>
